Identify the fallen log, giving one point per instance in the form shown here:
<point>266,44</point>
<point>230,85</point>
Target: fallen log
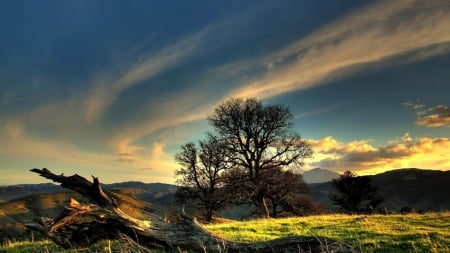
<point>82,225</point>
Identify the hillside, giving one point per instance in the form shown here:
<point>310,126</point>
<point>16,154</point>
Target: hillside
<point>11,192</point>
<point>157,193</point>
<point>14,212</point>
<point>420,189</point>
<point>152,192</point>
<point>425,190</point>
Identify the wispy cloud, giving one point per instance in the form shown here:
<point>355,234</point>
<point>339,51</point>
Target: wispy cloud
<point>374,34</point>
<point>360,155</point>
<point>318,111</point>
<point>435,116</point>
<point>69,158</point>
<point>439,116</point>
<point>64,130</point>
<point>106,89</point>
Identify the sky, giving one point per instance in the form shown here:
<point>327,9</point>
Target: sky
<point>114,88</point>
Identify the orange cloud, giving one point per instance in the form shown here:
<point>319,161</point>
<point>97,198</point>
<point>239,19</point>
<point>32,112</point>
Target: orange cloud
<point>423,152</point>
<point>435,116</point>
<point>440,117</point>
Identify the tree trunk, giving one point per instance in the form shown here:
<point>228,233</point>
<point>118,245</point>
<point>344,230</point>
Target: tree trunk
<point>261,202</point>
<point>82,225</point>
<point>264,207</point>
<point>209,214</point>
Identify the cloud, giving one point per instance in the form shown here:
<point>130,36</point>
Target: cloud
<point>20,152</point>
<point>318,111</point>
<point>360,155</point>
<point>382,31</point>
<point>439,116</point>
<point>106,89</point>
<point>435,116</point>
<point>70,130</point>
<point>126,157</point>
<point>417,105</point>
<point>14,130</point>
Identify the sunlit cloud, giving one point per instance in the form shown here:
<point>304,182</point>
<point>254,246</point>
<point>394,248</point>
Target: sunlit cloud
<point>386,30</point>
<point>13,130</point>
<point>64,156</point>
<point>439,116</point>
<point>361,156</point>
<point>435,116</point>
<point>126,157</point>
<point>78,116</point>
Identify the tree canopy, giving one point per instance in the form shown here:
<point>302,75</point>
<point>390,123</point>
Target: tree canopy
<point>259,144</point>
<point>356,193</point>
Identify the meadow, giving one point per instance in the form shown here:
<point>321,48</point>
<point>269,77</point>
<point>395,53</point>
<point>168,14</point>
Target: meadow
<point>429,232</point>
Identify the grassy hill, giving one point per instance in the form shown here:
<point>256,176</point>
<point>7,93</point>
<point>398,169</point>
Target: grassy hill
<point>428,232</point>
<point>369,233</point>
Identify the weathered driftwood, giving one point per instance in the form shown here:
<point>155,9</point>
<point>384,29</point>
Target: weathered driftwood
<point>82,225</point>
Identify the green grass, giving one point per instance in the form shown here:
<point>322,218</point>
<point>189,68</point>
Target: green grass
<point>373,233</point>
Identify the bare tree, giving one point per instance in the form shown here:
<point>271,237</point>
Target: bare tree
<point>201,176</point>
<point>356,193</point>
<point>258,137</point>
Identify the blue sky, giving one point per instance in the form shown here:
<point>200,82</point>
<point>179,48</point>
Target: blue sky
<point>113,89</point>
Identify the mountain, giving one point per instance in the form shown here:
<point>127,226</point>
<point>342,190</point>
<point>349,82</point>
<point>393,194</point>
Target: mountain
<point>158,193</point>
<point>423,190</point>
<point>417,188</point>
<point>152,192</point>
<point>319,175</point>
<point>11,192</point>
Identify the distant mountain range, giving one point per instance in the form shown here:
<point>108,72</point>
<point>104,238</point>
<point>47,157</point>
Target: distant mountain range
<point>426,190</point>
<point>152,192</point>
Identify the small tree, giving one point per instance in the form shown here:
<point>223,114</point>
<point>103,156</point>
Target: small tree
<point>258,138</point>
<point>356,193</point>
<point>201,176</point>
